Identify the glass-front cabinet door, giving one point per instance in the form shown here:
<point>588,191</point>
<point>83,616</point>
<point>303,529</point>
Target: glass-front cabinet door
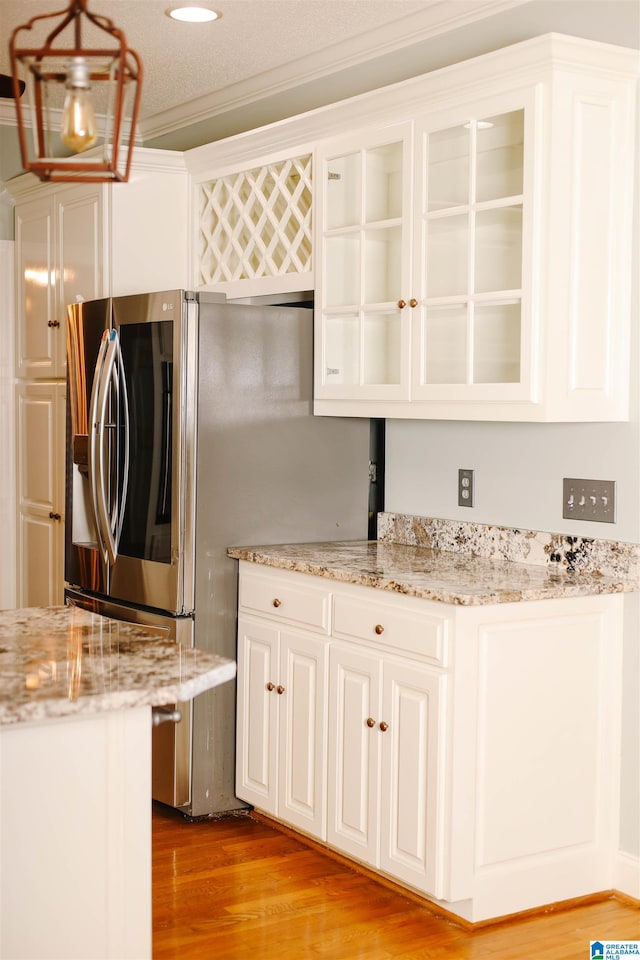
<point>362,312</point>
<point>472,329</point>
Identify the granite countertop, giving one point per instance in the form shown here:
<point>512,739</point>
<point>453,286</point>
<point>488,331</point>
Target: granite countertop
<point>432,574</point>
<point>60,661</point>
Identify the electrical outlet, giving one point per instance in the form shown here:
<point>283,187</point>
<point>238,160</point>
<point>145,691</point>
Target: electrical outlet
<point>466,488</point>
<point>589,500</point>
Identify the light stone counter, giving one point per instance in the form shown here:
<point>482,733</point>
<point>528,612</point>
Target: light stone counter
<point>60,661</point>
<point>449,577</point>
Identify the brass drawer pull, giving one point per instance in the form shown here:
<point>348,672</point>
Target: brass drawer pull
<point>271,686</point>
<point>384,725</point>
<point>370,722</point>
<point>379,629</point>
<point>413,302</point>
<point>277,603</point>
<point>280,689</point>
<point>402,304</point>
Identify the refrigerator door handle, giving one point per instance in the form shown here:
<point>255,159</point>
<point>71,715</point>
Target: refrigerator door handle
<point>96,441</point>
<point>123,425</point>
<point>108,492</point>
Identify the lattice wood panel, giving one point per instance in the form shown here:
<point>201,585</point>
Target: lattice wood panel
<point>256,223</point>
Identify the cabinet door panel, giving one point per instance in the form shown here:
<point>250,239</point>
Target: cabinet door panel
<point>40,426</point>
<point>540,784</point>
<point>35,270</point>
<point>37,439</point>
<point>472,333</point>
<point>38,548</point>
<point>79,217</point>
<point>302,721</point>
<point>354,749</point>
<point>363,260</point>
<point>411,780</point>
<point>257,729</point>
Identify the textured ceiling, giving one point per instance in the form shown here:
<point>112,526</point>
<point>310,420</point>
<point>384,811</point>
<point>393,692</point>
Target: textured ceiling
<point>268,59</point>
<point>185,61</point>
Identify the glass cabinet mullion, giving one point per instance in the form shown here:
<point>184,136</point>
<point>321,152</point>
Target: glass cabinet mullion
<point>471,258</point>
<point>470,344</point>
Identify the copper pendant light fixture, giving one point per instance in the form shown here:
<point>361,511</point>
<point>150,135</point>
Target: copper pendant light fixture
<point>81,96</point>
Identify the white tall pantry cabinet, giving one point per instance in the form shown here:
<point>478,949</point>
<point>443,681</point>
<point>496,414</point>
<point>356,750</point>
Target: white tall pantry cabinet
<point>77,242</point>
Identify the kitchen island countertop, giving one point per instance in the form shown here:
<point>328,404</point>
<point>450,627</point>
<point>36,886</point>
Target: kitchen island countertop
<point>448,577</point>
<point>60,661</point>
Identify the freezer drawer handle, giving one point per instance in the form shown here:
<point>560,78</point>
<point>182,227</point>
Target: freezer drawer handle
<point>165,715</point>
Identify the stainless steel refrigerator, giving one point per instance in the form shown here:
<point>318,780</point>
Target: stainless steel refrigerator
<point>190,429</point>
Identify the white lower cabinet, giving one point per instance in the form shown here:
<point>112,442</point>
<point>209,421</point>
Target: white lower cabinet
<point>382,772</point>
<point>282,711</point>
<point>282,694</point>
<point>471,753</point>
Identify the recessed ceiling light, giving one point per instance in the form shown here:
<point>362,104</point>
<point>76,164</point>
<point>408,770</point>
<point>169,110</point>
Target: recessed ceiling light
<point>193,14</point>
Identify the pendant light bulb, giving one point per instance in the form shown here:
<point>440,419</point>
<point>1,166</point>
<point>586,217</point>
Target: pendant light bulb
<point>79,129</point>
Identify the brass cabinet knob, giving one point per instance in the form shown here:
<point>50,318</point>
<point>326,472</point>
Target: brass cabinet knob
<point>53,323</point>
<point>384,725</point>
<point>379,629</point>
<point>280,689</point>
<point>370,722</point>
<point>54,516</point>
<point>413,302</point>
<point>402,304</point>
<point>271,686</point>
<point>277,603</point>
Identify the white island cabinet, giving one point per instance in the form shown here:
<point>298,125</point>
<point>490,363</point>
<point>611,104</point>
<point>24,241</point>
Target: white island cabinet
<point>75,778</point>
<point>467,749</point>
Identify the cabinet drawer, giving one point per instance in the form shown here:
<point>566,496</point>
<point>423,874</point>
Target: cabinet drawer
<point>285,599</point>
<point>399,625</point>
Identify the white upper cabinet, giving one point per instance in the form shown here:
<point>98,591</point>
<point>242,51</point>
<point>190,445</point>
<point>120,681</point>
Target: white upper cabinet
<point>363,263</point>
<point>474,261</point>
<point>472,330</point>
<point>86,240</point>
<point>59,260</point>
<point>254,228</point>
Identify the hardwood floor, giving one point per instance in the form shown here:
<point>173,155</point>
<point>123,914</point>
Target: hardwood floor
<point>238,888</point>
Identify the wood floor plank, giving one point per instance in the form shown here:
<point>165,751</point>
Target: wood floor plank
<point>239,889</point>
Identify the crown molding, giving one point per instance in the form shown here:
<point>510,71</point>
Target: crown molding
<point>390,38</point>
<point>503,69</point>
